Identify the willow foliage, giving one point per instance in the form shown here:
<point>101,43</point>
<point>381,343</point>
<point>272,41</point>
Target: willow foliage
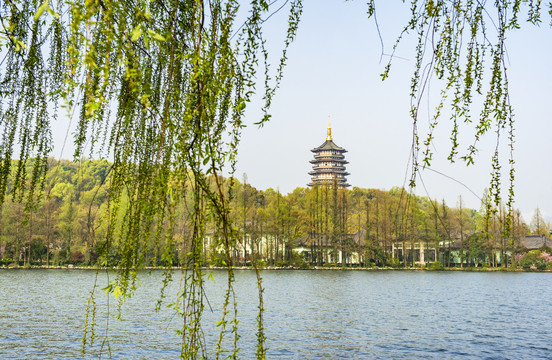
<point>461,45</point>
<point>158,87</point>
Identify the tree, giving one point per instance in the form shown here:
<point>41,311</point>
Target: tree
<point>13,215</point>
<point>180,75</point>
<point>538,225</point>
<point>161,88</point>
<point>461,226</point>
<point>474,245</point>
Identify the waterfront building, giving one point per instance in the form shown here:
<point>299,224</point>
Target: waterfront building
<point>534,242</point>
<point>328,166</point>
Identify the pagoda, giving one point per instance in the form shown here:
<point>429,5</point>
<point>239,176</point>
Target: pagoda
<point>329,164</point>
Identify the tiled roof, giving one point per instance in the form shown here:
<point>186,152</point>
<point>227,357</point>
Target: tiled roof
<point>531,242</point>
<point>328,145</point>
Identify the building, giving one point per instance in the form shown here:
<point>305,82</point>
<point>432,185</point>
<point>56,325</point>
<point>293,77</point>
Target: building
<point>349,249</point>
<point>328,166</point>
<point>357,249</point>
<point>533,242</point>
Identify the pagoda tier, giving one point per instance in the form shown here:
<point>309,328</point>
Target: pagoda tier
<point>328,173</point>
<point>339,170</point>
<point>329,164</point>
<point>322,159</point>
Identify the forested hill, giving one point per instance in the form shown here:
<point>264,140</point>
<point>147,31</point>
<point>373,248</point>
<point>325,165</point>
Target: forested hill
<point>67,221</point>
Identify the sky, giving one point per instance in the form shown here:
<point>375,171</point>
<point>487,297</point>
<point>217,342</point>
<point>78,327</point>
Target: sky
<point>334,70</point>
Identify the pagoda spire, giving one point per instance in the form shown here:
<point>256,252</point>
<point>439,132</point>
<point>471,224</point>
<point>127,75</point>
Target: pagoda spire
<point>329,136</point>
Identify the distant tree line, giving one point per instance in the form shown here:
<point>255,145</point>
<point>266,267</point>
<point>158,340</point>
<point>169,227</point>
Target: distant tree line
<point>69,226</point>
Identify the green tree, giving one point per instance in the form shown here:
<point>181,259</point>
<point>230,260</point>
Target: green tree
<point>533,260</point>
<point>12,234</point>
<point>462,219</point>
<point>538,225</point>
<point>474,244</point>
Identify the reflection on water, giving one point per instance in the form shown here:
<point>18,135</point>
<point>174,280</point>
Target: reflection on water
<point>309,315</point>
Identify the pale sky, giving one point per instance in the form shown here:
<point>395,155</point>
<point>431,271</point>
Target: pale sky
<point>334,68</point>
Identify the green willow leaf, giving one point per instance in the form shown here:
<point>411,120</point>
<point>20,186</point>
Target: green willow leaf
<point>43,7</point>
<point>136,33</point>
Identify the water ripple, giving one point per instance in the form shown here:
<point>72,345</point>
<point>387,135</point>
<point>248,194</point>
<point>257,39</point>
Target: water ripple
<point>309,315</point>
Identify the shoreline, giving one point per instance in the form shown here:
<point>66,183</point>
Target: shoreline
<point>287,268</point>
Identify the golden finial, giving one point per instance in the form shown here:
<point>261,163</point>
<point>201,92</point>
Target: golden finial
<point>329,137</point>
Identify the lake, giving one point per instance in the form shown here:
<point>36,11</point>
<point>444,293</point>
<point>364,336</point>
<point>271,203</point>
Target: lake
<point>310,314</point>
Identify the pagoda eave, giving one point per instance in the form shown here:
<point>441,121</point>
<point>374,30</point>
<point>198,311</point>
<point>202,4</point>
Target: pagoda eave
<point>329,165</point>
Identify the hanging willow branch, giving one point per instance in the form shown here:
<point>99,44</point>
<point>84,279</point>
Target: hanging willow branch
<point>159,88</point>
<point>462,45</point>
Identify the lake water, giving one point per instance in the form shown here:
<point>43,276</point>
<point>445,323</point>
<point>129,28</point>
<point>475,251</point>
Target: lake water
<point>309,315</point>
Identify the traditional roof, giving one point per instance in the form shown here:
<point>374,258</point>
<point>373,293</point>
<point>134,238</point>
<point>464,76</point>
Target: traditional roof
<point>329,145</point>
<point>532,242</point>
<point>328,182</point>
<point>328,171</point>
<point>318,157</point>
